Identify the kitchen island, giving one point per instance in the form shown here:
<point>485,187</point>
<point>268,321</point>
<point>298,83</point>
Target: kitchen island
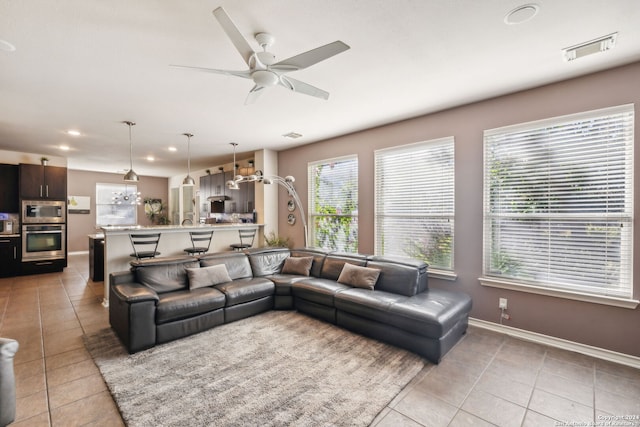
<point>173,241</point>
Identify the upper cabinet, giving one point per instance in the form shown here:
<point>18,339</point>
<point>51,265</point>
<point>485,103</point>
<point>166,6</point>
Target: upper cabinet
<point>9,202</point>
<point>43,182</point>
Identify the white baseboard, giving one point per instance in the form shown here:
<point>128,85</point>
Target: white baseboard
<point>600,353</point>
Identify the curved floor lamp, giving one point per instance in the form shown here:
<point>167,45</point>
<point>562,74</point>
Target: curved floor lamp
<point>286,182</point>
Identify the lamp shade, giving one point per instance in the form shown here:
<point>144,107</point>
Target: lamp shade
<point>131,176</point>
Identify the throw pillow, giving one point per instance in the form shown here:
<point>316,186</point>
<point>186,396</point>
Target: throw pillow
<point>207,276</point>
<point>359,277</point>
<point>297,265</point>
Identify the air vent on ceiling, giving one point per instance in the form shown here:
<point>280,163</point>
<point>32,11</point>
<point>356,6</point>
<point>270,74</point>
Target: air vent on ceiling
<point>292,135</point>
<point>601,44</point>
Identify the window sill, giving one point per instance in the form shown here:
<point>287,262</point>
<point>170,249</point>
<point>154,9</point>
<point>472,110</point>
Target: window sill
<point>578,296</point>
<point>442,274</point>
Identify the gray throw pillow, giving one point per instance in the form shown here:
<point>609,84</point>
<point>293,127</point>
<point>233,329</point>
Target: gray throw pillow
<point>207,276</point>
<point>297,265</point>
<point>359,277</point>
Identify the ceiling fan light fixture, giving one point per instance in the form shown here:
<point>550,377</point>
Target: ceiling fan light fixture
<point>265,78</point>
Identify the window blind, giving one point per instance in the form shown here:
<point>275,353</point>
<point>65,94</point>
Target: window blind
<point>558,202</point>
<point>333,198</point>
<point>414,202</point>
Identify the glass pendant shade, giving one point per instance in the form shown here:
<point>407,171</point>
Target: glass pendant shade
<point>232,184</point>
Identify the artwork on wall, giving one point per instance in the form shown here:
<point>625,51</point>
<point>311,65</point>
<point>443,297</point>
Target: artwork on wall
<point>79,204</point>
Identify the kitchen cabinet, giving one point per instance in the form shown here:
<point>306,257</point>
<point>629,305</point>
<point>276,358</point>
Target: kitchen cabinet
<point>9,188</point>
<point>9,256</point>
<point>43,182</point>
<point>218,184</point>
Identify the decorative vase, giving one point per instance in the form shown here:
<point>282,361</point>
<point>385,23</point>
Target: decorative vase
<point>44,162</point>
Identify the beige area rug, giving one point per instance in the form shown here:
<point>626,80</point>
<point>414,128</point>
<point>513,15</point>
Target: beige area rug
<point>279,368</point>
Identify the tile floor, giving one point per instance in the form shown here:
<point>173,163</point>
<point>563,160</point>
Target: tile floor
<point>487,379</point>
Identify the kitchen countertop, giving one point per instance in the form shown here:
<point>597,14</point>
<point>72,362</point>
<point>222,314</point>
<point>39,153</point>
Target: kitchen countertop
<point>126,229</point>
<point>9,235</point>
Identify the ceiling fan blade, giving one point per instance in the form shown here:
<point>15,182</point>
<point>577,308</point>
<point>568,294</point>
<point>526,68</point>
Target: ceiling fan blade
<point>311,57</point>
<point>236,37</point>
<point>253,95</point>
<point>302,87</point>
<point>245,74</point>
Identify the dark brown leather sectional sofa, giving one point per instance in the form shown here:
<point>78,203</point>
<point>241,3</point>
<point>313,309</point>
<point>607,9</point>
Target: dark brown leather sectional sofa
<point>153,303</point>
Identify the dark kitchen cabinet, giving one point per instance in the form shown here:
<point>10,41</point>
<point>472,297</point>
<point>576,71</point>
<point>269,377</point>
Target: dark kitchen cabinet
<point>9,188</point>
<point>9,256</point>
<point>43,182</point>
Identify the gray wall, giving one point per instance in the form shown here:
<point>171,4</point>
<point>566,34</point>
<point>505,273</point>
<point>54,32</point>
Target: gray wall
<point>83,183</point>
<point>598,325</point>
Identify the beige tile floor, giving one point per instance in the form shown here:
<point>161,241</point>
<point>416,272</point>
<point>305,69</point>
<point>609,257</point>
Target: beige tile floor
<point>487,379</point>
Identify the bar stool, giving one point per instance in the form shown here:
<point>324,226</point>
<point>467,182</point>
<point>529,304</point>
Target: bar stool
<point>144,241</point>
<point>199,236</point>
<point>246,240</point>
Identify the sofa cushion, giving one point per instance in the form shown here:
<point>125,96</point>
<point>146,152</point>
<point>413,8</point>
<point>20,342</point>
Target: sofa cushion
<point>359,277</point>
<point>403,276</point>
<point>245,290</point>
<point>266,261</point>
<point>300,266</point>
<point>318,259</point>
<point>333,263</point>
<point>164,275</point>
<point>207,276</point>
<point>430,314</point>
<point>183,304</point>
<point>283,282</point>
<point>237,263</point>
<point>320,291</point>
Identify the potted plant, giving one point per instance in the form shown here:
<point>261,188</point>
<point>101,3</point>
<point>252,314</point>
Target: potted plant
<point>44,161</point>
<point>274,241</point>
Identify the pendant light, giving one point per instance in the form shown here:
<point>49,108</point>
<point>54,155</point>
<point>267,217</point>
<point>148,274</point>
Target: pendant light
<point>232,184</point>
<point>187,179</point>
<point>131,175</point>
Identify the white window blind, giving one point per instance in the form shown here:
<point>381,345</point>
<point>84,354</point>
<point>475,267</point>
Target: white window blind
<point>333,200</point>
<point>414,202</point>
<point>558,202</point>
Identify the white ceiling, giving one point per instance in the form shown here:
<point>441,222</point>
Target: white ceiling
<point>90,64</point>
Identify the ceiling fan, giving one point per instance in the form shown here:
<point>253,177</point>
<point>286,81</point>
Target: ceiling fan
<point>263,68</point>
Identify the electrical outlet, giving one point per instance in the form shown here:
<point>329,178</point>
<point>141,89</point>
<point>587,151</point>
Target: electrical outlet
<point>502,303</point>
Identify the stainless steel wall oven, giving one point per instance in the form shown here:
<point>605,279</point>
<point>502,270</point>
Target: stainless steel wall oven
<point>43,242</point>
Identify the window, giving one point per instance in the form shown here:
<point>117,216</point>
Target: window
<point>333,200</point>
<point>558,203</point>
<point>116,204</point>
<point>414,202</point>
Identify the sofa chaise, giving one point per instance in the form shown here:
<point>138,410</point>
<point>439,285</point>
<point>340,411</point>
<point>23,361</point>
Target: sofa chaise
<point>385,298</point>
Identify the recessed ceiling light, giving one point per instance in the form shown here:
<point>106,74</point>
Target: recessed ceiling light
<point>150,158</point>
<point>521,14</point>
<point>601,44</point>
<point>292,135</point>
<point>73,132</point>
<point>6,46</point>
<point>173,149</point>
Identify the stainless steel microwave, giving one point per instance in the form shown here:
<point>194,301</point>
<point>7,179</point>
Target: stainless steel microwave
<point>43,212</point>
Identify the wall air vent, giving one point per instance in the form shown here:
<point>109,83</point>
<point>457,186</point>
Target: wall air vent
<point>601,44</point>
